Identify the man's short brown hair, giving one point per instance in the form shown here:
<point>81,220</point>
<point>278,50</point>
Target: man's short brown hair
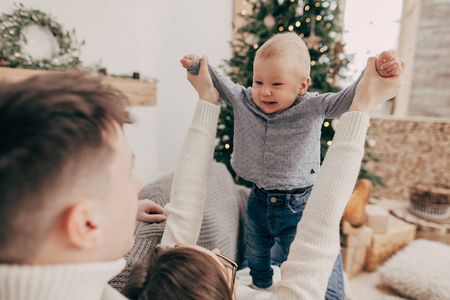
<point>52,133</point>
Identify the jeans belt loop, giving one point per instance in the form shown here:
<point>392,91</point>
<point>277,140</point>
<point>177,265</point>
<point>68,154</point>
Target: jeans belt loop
<point>287,200</point>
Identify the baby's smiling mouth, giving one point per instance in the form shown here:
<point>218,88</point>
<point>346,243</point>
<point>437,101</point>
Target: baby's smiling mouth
<point>269,102</point>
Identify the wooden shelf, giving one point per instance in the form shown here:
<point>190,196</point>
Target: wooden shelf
<point>140,93</point>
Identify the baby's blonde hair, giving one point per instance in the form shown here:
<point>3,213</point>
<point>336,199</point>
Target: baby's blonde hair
<point>287,43</point>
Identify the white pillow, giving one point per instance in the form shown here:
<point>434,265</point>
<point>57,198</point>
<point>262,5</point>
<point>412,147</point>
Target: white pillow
<point>421,270</point>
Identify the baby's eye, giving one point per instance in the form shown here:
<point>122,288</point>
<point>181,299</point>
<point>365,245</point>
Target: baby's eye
<point>277,83</point>
<point>258,82</point>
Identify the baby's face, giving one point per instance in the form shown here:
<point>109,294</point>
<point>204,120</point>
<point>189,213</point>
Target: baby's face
<point>276,83</point>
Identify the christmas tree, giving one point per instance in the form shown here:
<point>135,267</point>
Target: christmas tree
<point>318,23</point>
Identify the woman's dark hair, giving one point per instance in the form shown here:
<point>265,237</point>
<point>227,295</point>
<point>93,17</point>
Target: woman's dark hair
<point>177,273</point>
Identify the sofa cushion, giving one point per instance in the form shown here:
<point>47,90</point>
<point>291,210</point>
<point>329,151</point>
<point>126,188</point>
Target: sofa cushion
<point>421,270</point>
<point>222,226</point>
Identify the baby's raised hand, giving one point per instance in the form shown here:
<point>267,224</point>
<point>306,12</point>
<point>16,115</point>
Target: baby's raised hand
<point>149,211</point>
<point>388,64</point>
<point>188,60</point>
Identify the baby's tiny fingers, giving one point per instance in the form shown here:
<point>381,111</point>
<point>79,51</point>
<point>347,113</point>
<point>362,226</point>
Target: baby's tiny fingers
<point>394,66</point>
<point>387,55</point>
<point>396,72</point>
<point>386,65</point>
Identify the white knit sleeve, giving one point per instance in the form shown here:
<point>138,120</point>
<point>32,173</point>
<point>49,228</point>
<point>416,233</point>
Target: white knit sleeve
<point>187,197</point>
<point>312,254</point>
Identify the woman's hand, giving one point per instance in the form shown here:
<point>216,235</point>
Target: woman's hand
<point>373,89</point>
<point>149,211</point>
<point>203,83</point>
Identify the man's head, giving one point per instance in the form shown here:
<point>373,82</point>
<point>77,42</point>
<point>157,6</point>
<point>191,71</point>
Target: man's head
<point>280,72</point>
<point>67,193</point>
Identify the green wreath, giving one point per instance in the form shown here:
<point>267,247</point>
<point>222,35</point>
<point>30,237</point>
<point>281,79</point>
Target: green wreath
<point>11,26</point>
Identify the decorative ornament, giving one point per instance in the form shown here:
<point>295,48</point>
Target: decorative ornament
<point>312,41</point>
<point>269,21</point>
<point>11,37</point>
<point>299,8</point>
<point>339,47</point>
<point>251,39</point>
<point>371,143</point>
<point>334,124</point>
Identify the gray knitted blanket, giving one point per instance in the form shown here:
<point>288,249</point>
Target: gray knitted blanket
<point>222,226</point>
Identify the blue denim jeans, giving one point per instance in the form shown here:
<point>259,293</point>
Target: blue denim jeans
<point>270,229</point>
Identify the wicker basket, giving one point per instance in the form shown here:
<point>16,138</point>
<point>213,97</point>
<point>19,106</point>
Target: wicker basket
<point>430,202</point>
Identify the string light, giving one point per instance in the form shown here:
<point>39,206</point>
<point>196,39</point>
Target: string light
<point>308,20</point>
<point>301,35</point>
<point>11,32</point>
<point>326,124</point>
<point>21,13</point>
<point>292,0</point>
<point>318,18</point>
<point>291,27</point>
<point>317,4</point>
<point>16,54</point>
<point>298,23</point>
<point>329,143</point>
<point>243,12</point>
<point>322,50</point>
<point>328,26</point>
<point>332,70</point>
<point>281,28</point>
<point>306,7</point>
<point>255,46</point>
<point>313,63</point>
<point>227,146</point>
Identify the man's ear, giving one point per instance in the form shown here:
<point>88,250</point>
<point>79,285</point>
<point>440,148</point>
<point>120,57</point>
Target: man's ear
<point>304,86</point>
<point>81,226</point>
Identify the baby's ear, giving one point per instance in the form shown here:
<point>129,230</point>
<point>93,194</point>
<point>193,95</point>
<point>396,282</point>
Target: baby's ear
<point>304,86</point>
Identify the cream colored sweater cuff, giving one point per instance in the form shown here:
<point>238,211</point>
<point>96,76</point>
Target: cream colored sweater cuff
<point>354,127</point>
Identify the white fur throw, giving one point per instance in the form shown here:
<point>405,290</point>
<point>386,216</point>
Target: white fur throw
<point>420,271</point>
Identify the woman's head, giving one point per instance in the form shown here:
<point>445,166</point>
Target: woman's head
<point>182,272</point>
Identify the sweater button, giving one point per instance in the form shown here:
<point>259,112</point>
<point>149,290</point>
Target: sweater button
<point>273,200</point>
